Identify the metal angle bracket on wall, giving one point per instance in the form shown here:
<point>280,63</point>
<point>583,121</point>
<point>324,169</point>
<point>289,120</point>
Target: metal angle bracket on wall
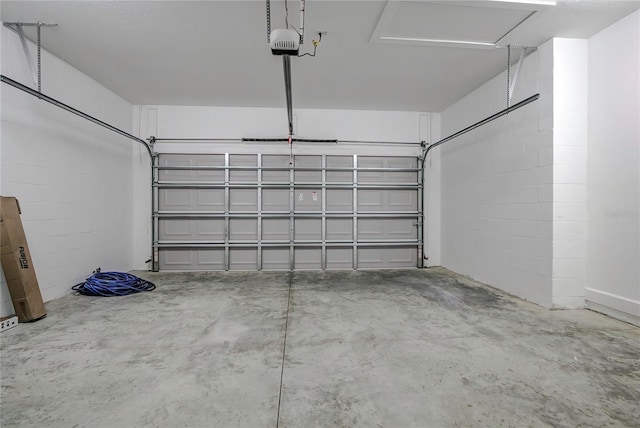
<point>36,70</point>
<point>511,82</point>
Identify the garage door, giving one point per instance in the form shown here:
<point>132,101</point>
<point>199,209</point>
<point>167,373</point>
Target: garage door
<point>275,212</point>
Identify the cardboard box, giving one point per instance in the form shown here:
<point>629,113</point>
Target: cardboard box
<point>17,263</point>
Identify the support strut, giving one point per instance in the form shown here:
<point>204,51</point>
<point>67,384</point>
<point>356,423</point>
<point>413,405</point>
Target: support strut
<point>18,27</point>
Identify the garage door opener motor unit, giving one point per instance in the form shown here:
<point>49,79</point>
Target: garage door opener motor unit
<point>284,42</point>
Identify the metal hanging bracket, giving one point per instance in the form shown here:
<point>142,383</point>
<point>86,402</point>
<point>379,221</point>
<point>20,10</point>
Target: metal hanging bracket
<point>511,81</point>
<point>18,27</point>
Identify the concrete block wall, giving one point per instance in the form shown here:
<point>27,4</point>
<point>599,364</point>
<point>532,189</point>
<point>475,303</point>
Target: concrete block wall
<point>613,182</point>
<point>570,106</point>
<point>497,184</point>
<point>72,178</point>
<point>577,148</point>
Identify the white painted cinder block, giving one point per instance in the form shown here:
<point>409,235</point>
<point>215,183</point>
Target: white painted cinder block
<point>569,230</point>
<point>569,174</point>
<point>537,158</point>
<point>71,177</point>
<point>569,268</point>
<point>501,169</point>
<point>569,170</point>
<point>570,211</point>
<point>613,187</point>
<point>569,249</point>
<point>570,192</point>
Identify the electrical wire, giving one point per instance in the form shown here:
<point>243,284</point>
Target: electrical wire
<point>315,46</point>
<point>286,15</point>
<point>107,284</point>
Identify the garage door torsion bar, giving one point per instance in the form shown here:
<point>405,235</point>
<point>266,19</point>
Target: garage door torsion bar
<point>75,111</point>
<point>281,140</point>
<point>332,141</point>
<point>295,140</point>
<point>243,140</point>
<point>480,123</point>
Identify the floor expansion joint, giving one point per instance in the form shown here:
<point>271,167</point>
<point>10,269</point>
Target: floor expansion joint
<point>284,347</point>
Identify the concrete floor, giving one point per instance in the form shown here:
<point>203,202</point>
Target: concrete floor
<point>363,349</point>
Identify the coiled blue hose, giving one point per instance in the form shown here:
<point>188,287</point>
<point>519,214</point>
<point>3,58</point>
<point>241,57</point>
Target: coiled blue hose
<point>112,284</point>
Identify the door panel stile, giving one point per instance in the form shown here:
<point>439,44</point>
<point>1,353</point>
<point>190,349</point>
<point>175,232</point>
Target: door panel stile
<point>227,203</point>
<point>420,219</point>
<point>323,225</point>
<point>155,228</point>
<point>291,213</point>
<point>355,212</point>
<point>259,215</point>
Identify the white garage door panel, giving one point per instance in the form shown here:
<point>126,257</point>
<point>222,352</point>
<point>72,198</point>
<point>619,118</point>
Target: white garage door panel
<point>339,229</point>
<point>307,258</point>
<point>277,176</point>
<point>275,200</point>
<point>392,229</point>
<point>243,200</point>
<point>275,259</point>
<point>387,176</point>
<point>207,199</point>
<point>339,200</point>
<point>192,199</point>
<point>193,174</point>
<point>275,229</point>
<point>387,200</point>
<point>241,175</point>
<point>192,230</point>
<point>243,229</point>
<point>307,200</point>
<point>192,259</point>
<point>373,258</point>
<point>243,259</point>
<point>274,212</point>
<point>339,258</point>
<point>337,176</point>
<point>301,176</point>
<point>401,200</point>
<point>306,229</point>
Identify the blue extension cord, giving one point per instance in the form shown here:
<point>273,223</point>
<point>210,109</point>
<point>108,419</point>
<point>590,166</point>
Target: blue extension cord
<point>112,284</point>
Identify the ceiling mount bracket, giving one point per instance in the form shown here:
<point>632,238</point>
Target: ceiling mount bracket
<point>18,27</point>
<point>511,81</point>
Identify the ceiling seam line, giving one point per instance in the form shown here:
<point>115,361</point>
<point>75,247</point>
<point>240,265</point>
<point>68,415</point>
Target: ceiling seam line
<point>515,26</point>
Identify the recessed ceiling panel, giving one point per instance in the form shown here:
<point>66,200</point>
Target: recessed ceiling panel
<point>475,24</point>
<point>453,22</point>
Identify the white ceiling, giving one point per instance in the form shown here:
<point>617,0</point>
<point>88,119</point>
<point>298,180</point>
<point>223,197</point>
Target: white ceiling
<point>216,52</point>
